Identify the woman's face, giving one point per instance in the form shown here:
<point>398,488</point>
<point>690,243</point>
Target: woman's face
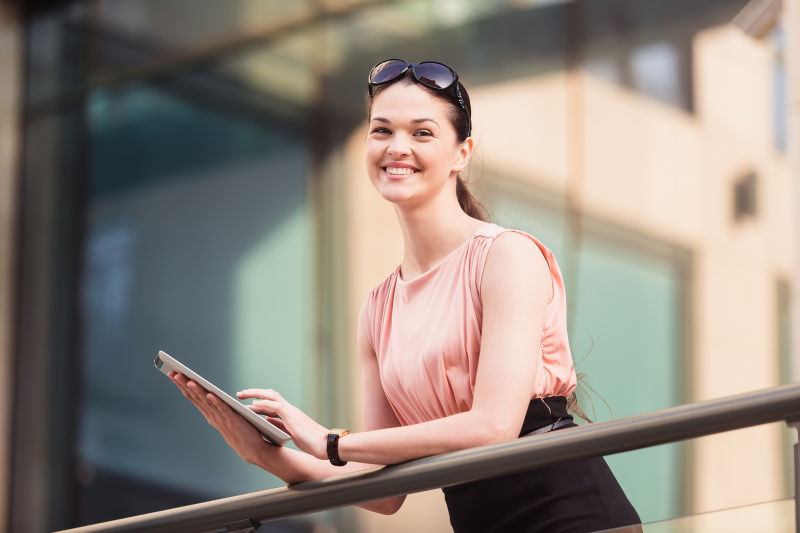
<point>412,152</point>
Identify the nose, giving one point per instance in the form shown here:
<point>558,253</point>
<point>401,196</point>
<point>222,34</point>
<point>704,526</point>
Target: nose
<point>399,146</point>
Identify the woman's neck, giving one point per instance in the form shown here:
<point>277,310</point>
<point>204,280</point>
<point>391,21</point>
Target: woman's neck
<point>432,232</point>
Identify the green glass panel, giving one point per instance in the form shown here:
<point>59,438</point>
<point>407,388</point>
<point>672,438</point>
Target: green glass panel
<point>626,337</point>
<point>198,243</point>
<point>624,305</point>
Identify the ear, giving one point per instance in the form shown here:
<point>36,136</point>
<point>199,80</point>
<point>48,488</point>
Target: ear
<point>463,154</point>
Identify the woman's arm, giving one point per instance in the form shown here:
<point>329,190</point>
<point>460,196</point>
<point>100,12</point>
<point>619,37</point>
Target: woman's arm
<point>290,465</point>
<point>515,289</point>
<point>376,414</point>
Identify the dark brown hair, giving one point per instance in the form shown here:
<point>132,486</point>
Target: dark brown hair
<point>469,204</point>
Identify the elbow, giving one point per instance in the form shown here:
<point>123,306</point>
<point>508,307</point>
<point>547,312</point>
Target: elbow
<point>387,506</point>
<point>502,434</point>
<point>393,505</point>
<point>496,431</point>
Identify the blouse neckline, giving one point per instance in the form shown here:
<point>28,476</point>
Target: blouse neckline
<point>435,267</point>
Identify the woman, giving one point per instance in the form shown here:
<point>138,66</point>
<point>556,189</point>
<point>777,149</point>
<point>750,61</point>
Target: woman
<point>469,331</point>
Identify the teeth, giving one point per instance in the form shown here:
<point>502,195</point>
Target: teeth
<point>399,171</point>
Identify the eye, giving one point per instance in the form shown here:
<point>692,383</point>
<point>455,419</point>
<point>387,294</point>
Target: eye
<point>381,129</point>
<point>423,133</point>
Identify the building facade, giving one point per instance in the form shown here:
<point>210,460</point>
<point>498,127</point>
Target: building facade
<point>189,176</point>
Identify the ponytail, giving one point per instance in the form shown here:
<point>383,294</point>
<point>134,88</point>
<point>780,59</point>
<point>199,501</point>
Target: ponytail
<point>468,203</point>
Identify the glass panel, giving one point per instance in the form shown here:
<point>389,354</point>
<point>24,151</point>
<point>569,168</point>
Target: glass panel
<point>655,69</point>
<point>780,113</point>
<point>633,352</point>
<point>199,243</point>
<point>775,517</point>
<point>631,357</point>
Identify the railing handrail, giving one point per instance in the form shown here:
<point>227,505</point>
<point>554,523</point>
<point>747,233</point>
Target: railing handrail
<point>600,438</point>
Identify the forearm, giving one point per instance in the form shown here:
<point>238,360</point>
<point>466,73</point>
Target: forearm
<point>399,444</point>
<point>293,466</point>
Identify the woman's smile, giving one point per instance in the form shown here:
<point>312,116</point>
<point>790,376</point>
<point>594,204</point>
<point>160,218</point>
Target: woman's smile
<point>399,171</point>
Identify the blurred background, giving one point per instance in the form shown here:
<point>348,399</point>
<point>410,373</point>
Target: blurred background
<point>188,175</point>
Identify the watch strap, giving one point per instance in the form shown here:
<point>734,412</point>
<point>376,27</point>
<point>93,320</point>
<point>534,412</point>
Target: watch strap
<point>333,446</point>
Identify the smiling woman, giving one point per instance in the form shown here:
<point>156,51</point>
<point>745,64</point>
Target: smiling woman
<point>469,331</point>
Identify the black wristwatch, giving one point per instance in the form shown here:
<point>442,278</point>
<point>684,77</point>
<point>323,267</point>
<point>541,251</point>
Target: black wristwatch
<point>333,446</point>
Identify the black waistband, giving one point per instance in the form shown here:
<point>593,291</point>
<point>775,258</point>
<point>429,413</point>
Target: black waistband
<point>543,412</point>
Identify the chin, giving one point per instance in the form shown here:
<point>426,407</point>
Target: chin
<point>391,190</point>
<point>396,197</point>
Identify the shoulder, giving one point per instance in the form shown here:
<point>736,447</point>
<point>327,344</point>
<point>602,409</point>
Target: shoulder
<point>515,248</point>
<point>383,288</point>
<point>515,261</point>
<point>512,243</point>
<point>374,304</point>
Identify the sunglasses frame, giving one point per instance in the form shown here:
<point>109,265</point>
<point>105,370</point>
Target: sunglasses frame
<point>419,79</point>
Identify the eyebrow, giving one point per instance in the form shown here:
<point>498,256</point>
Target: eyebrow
<point>413,121</point>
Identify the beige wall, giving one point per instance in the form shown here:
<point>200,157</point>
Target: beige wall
<point>669,173</point>
<point>9,67</point>
<point>738,265</point>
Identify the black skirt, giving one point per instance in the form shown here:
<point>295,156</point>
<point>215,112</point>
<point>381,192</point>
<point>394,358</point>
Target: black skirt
<point>577,496</point>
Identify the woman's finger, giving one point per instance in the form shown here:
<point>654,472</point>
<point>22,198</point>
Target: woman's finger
<point>197,394</point>
<point>190,391</point>
<point>196,390</point>
<point>263,394</point>
<point>213,406</point>
<point>218,406</point>
<point>180,382</point>
<point>266,407</point>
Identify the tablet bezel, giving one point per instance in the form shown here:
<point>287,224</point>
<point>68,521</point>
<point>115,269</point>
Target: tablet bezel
<point>270,432</point>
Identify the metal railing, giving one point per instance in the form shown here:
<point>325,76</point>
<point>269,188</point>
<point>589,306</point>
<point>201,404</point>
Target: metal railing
<point>246,512</point>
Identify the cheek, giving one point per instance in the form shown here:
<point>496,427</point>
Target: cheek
<point>372,150</point>
<point>372,157</point>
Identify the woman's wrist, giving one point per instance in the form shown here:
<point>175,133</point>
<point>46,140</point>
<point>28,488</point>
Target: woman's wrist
<point>321,451</point>
<point>265,456</point>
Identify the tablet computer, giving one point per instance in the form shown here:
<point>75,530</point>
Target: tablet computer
<point>165,363</point>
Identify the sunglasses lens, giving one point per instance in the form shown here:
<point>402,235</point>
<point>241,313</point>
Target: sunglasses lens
<point>434,75</point>
<point>386,71</point>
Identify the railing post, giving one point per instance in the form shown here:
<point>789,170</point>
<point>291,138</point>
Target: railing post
<point>797,480</point>
<point>795,423</point>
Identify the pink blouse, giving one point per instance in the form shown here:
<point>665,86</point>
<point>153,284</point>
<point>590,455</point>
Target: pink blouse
<point>426,333</point>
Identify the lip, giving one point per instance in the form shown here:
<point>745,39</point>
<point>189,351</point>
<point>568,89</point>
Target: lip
<point>398,164</point>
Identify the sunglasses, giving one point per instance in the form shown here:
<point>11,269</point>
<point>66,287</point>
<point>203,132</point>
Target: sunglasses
<point>431,74</point>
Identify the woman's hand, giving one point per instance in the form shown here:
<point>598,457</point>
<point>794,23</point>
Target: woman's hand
<point>237,432</point>
<point>307,434</point>
<point>292,466</point>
